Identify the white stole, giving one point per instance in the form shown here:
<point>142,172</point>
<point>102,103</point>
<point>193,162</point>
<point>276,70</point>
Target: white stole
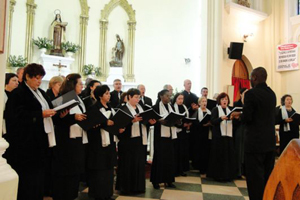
<point>135,128</point>
<point>48,123</point>
<point>3,122</point>
<point>177,111</point>
<point>75,130</point>
<point>225,125</point>
<point>165,131</point>
<point>284,114</point>
<point>104,134</point>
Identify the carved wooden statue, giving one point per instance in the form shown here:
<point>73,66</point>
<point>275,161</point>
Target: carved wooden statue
<point>57,33</point>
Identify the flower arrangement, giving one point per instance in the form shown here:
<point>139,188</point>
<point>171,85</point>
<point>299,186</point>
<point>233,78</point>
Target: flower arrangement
<point>15,61</point>
<point>70,47</point>
<point>90,69</point>
<point>43,43</point>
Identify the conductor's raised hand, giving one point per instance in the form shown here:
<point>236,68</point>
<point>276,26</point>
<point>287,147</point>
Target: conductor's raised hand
<point>152,121</point>
<point>137,119</point>
<point>110,122</point>
<point>235,115</point>
<point>121,130</point>
<point>48,113</point>
<point>80,117</point>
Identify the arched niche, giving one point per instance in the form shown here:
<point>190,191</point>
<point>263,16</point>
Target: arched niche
<point>108,8</point>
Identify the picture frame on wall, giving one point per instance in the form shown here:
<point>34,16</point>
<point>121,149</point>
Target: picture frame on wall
<point>2,24</point>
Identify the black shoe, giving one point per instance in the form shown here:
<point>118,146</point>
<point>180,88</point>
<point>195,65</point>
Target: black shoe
<point>170,185</point>
<point>156,186</point>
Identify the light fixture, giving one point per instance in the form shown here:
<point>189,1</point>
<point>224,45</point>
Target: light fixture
<point>187,60</point>
<point>245,36</point>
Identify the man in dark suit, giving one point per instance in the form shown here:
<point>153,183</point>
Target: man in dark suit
<point>115,95</point>
<point>210,103</point>
<point>145,102</point>
<point>259,118</point>
<point>190,99</point>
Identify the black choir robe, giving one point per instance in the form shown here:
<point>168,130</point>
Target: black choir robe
<point>131,162</point>
<point>189,99</point>
<point>68,160</point>
<point>286,137</point>
<point>50,94</point>
<point>27,140</point>
<point>211,104</point>
<point>202,144</point>
<point>114,98</point>
<point>162,169</point>
<point>100,161</point>
<point>221,162</point>
<point>181,147</point>
<point>147,101</point>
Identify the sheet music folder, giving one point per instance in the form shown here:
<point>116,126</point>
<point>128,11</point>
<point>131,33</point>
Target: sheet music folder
<point>93,118</point>
<point>236,109</point>
<point>121,119</point>
<point>149,114</point>
<point>172,118</point>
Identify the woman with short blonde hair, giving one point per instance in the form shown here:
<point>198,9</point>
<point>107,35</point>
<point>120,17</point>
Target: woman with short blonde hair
<point>54,86</point>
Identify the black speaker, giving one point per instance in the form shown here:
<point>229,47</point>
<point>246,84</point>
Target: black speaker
<point>236,50</point>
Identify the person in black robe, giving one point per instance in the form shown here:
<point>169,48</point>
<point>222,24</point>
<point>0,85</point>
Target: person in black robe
<point>239,138</point>
<point>131,163</point>
<point>68,154</point>
<point>162,169</point>
<point>115,95</point>
<point>181,144</point>
<point>54,87</point>
<point>202,140</point>
<point>101,150</point>
<point>221,164</point>
<point>210,103</point>
<point>288,129</point>
<point>259,119</point>
<point>87,94</point>
<point>28,114</point>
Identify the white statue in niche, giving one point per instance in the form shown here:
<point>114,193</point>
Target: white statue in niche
<point>117,53</point>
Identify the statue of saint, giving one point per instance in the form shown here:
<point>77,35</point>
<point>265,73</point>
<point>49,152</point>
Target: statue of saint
<point>118,52</point>
<point>57,33</point>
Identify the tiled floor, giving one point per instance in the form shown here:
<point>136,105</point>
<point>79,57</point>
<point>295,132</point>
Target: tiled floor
<point>192,187</point>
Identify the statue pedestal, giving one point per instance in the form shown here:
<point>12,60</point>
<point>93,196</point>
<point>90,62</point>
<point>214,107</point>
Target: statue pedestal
<point>117,73</point>
<point>8,177</point>
<point>48,61</point>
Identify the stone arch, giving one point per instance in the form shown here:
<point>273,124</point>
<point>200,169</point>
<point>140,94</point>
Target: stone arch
<point>247,63</point>
<point>108,8</point>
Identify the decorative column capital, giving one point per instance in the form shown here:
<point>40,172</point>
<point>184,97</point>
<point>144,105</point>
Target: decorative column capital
<point>103,24</point>
<point>131,25</point>
<point>84,19</point>
<point>12,4</point>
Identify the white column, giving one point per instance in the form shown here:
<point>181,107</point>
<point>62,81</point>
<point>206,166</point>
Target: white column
<point>8,177</point>
<point>214,45</point>
<point>102,61</point>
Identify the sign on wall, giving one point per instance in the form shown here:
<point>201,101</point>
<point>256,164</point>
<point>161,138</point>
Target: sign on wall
<point>287,57</point>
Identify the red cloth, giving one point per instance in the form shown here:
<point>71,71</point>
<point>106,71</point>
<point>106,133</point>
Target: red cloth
<point>239,83</point>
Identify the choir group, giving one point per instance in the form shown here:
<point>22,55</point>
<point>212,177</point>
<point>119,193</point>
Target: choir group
<point>51,153</point>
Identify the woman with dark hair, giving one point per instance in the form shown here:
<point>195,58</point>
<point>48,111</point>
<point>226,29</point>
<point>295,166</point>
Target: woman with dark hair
<point>68,154</point>
<point>163,170</point>
<point>221,163</point>
<point>131,152</point>
<point>123,99</point>
<point>288,129</point>
<point>101,151</point>
<point>202,136</point>
<point>87,94</point>
<point>11,83</point>
<point>181,144</point>
<point>31,131</point>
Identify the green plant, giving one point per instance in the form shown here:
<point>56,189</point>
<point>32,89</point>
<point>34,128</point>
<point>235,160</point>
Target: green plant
<point>90,69</point>
<point>70,47</point>
<point>43,43</point>
<point>15,61</point>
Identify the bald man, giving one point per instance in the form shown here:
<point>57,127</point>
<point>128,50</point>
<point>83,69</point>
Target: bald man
<point>190,99</point>
<point>259,118</point>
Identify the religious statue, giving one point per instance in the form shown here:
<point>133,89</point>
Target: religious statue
<point>57,33</point>
<point>118,52</point>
